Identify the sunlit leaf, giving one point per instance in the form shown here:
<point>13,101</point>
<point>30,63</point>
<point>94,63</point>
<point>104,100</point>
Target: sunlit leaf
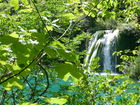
<point>27,103</point>
<point>14,35</point>
<point>59,101</point>
<point>26,10</point>
<point>115,3</point>
<point>99,5</point>
<point>2,62</point>
<point>73,1</point>
<point>63,69</point>
<point>25,1</point>
<point>14,82</point>
<point>69,16</point>
<point>57,44</point>
<point>50,28</point>
<point>134,52</point>
<point>15,4</point>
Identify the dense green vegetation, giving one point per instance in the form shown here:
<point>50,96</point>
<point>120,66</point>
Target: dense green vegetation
<point>42,50</point>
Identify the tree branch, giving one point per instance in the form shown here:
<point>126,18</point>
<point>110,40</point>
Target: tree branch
<point>34,60</point>
<point>47,82</point>
<point>5,75</point>
<point>42,20</point>
<point>65,31</point>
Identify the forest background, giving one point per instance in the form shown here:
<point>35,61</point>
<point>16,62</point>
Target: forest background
<point>42,51</point>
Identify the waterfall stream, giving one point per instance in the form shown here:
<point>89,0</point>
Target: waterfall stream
<point>103,44</point>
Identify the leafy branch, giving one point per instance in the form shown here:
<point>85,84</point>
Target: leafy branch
<point>34,60</point>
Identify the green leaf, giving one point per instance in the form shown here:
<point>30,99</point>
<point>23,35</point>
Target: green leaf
<point>16,67</point>
<point>14,82</point>
<point>49,28</point>
<point>100,6</point>
<point>25,2</point>
<point>58,49</point>
<point>68,56</point>
<point>124,57</point>
<point>51,52</point>
<point>14,35</point>
<point>133,90</point>
<point>118,98</point>
<point>95,63</point>
<point>68,67</point>
<point>101,94</point>
<point>26,10</point>
<point>60,101</point>
<point>92,14</point>
<point>27,103</point>
<point>69,16</point>
<point>15,4</point>
<point>66,77</point>
<point>3,62</point>
<point>73,1</point>
<point>57,44</point>
<point>6,40</point>
<point>134,52</point>
<point>115,3</point>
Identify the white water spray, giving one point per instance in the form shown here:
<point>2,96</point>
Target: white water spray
<point>109,37</point>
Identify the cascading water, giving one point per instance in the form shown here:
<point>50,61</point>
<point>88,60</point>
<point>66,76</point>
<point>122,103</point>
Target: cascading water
<point>102,45</point>
<point>109,37</point>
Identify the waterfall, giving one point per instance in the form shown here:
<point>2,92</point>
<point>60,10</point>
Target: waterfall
<point>109,37</point>
<point>103,44</point>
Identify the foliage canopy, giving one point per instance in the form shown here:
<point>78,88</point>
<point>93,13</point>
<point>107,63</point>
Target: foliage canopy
<point>38,37</point>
